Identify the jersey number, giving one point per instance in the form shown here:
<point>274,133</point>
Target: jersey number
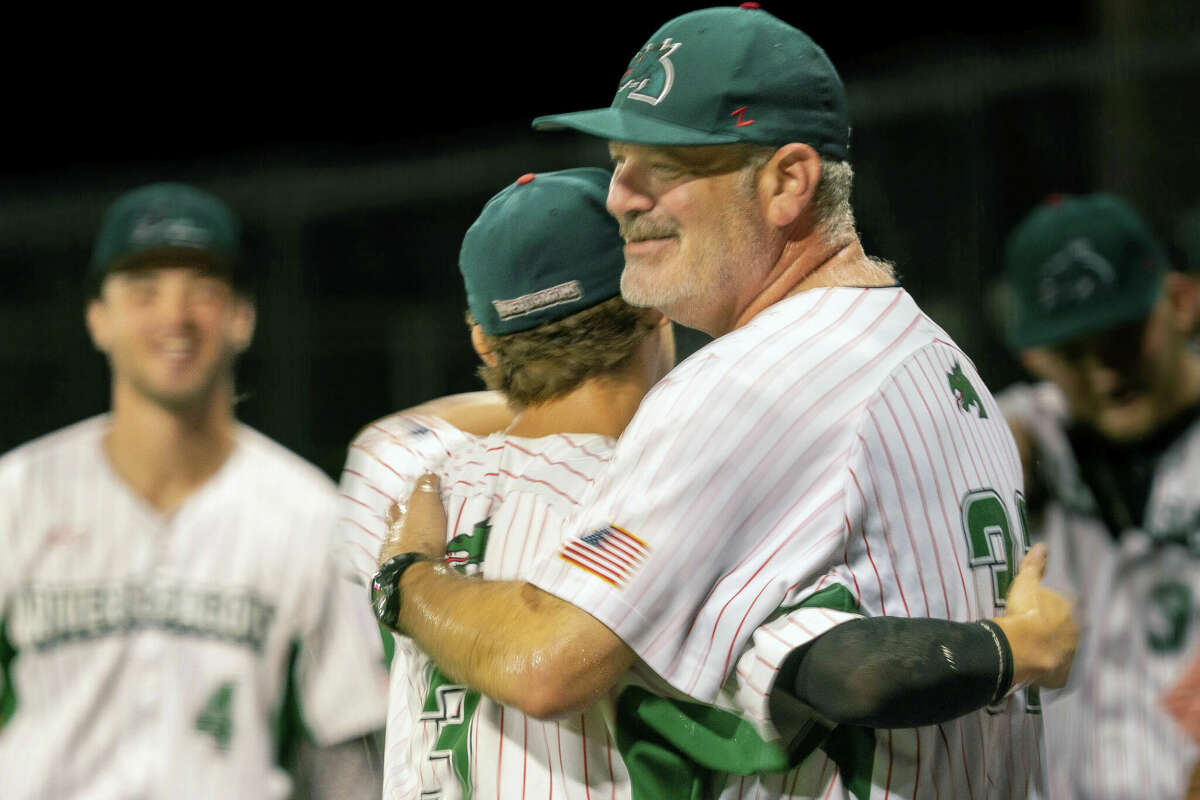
<point>990,546</point>
<point>216,717</point>
<point>1172,602</point>
<point>451,707</point>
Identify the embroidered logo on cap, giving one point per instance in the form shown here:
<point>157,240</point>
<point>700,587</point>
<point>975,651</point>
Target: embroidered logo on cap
<point>567,292</point>
<point>154,228</point>
<point>650,78</point>
<point>1074,275</point>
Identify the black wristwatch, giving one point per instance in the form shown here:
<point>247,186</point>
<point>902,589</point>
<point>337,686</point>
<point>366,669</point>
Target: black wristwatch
<point>385,587</point>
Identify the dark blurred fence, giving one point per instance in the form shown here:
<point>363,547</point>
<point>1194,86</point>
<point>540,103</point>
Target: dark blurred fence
<point>359,298</point>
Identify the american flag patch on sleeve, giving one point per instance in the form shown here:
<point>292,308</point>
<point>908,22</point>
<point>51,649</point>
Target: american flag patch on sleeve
<point>611,554</point>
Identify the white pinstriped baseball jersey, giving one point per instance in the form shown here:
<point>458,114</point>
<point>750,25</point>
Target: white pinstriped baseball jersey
<point>838,455</point>
<point>151,651</point>
<point>507,501</point>
<point>1108,733</point>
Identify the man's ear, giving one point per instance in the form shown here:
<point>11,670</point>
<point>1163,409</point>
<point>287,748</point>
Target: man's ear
<point>95,316</point>
<point>787,182</point>
<point>479,340</point>
<point>245,316</point>
<point>1038,360</point>
<point>655,318</point>
<point>1183,296</point>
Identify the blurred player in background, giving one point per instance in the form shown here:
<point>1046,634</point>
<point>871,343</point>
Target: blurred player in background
<point>831,456</point>
<point>167,571</point>
<point>1111,443</point>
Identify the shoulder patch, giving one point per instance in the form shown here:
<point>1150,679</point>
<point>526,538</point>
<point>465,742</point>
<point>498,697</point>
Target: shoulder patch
<point>964,392</point>
<point>612,554</point>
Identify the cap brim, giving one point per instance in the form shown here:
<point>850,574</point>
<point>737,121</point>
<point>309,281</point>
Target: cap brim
<point>623,125</point>
<point>221,262</point>
<point>1056,332</point>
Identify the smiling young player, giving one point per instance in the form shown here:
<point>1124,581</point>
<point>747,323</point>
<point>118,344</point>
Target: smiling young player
<point>165,567</point>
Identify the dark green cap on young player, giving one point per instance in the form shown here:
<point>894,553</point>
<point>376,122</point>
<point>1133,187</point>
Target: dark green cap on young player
<point>543,248</point>
<point>163,219</point>
<point>720,76</point>
<point>1077,265</point>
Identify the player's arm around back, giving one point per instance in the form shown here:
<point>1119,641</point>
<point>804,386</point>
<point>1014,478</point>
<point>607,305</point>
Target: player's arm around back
<point>910,672</point>
<point>476,413</point>
<point>510,640</point>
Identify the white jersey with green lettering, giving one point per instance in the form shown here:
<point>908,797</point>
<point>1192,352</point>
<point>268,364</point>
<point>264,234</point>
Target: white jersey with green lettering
<point>1109,734</point>
<point>146,655</point>
<point>507,500</point>
<point>836,456</point>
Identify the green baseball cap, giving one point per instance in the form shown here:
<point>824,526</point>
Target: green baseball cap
<point>720,76</point>
<point>542,249</point>
<point>1077,265</point>
<point>164,219</point>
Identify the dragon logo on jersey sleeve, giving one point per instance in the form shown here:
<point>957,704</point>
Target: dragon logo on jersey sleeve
<point>964,392</point>
<point>465,551</point>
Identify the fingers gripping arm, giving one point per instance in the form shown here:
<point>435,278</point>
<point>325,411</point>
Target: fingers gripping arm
<point>909,672</point>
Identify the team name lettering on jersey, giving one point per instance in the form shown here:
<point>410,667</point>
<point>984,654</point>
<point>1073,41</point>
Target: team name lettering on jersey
<point>46,617</point>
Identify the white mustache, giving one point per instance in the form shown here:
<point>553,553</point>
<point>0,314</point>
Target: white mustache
<point>637,230</point>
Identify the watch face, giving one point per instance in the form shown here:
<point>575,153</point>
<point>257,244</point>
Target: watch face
<point>382,594</point>
<point>385,593</point>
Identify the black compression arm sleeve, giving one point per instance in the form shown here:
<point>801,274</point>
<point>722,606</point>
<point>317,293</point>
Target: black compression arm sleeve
<point>896,672</point>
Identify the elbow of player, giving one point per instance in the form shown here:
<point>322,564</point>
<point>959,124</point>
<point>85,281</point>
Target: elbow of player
<point>549,694</point>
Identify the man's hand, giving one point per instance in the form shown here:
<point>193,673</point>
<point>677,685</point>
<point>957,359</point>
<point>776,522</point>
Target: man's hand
<point>1039,625</point>
<point>419,526</point>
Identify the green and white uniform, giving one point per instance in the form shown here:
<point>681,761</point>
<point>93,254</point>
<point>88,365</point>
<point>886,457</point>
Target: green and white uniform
<point>1123,527</point>
<point>146,655</point>
<point>508,500</point>
<point>838,455</point>
<point>444,740</point>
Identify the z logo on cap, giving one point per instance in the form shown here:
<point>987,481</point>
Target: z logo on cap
<point>637,79</point>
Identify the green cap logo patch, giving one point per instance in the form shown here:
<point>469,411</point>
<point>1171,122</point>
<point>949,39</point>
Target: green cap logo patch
<point>1074,275</point>
<point>964,392</point>
<point>651,73</point>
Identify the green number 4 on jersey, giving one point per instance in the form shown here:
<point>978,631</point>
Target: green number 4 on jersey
<point>216,717</point>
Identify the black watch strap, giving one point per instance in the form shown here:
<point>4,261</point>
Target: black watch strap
<point>385,587</point>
